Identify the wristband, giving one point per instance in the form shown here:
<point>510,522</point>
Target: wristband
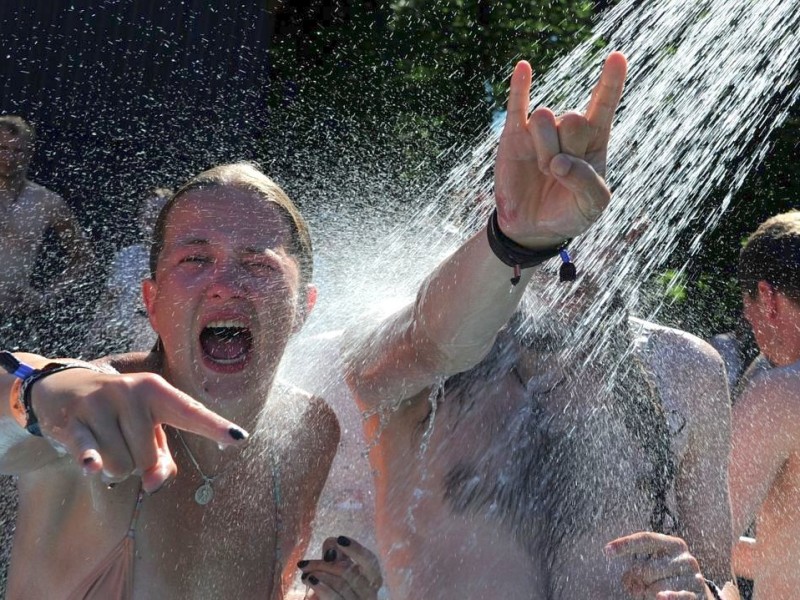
<point>519,257</point>
<point>19,398</point>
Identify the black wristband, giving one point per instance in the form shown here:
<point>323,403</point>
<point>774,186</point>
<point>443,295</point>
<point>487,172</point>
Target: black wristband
<point>513,254</point>
<point>32,421</point>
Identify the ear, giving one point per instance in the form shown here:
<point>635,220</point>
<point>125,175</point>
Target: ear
<point>304,307</point>
<point>768,298</point>
<point>149,290</point>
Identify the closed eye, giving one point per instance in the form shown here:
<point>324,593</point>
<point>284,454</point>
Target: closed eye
<point>196,258</point>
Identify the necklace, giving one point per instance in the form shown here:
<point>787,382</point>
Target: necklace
<point>205,493</point>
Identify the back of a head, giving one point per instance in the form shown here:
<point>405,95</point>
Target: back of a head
<point>772,254</point>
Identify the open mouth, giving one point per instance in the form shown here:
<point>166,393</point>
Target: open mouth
<point>226,342</point>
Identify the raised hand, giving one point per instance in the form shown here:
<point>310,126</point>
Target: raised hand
<point>347,571</point>
<point>549,172</point>
<point>112,424</point>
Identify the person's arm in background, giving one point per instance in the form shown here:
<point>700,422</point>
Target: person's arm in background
<point>701,482</point>
<point>76,244</point>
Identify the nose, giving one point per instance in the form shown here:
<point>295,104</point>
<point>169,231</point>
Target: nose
<point>228,281</point>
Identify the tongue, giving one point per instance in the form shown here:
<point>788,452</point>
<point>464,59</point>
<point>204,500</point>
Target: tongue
<point>224,343</point>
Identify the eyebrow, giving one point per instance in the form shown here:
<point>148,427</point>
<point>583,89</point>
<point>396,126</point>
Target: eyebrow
<point>204,242</point>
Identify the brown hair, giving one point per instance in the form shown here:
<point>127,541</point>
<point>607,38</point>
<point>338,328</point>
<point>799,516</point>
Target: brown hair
<point>247,177</point>
<point>772,254</point>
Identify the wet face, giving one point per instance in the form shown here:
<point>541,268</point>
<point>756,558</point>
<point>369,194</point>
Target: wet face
<point>15,154</point>
<point>225,295</point>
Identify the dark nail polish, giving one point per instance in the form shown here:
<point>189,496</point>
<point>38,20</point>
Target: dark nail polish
<point>330,555</point>
<point>343,541</point>
<point>302,564</point>
<point>304,576</point>
<point>313,580</point>
<point>89,460</point>
<point>237,433</point>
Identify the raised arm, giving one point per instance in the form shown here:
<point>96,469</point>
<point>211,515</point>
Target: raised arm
<point>549,187</point>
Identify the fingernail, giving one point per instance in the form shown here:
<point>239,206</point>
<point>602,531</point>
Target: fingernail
<point>313,580</point>
<point>544,168</point>
<point>302,564</point>
<point>304,576</point>
<point>237,434</point>
<point>330,555</point>
<point>88,460</point>
<point>561,165</point>
<point>343,541</point>
<point>111,486</point>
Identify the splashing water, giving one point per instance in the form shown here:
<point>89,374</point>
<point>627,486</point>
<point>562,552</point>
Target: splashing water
<point>708,82</point>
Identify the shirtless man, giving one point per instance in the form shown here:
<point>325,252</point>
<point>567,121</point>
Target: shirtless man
<point>231,267</point>
<point>503,483</point>
<point>29,210</point>
<point>765,461</point>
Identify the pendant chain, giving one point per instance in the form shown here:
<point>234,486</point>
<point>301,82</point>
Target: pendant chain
<point>205,493</point>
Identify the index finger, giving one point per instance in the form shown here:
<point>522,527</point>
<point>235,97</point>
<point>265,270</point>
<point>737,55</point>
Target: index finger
<point>646,542</point>
<point>607,93</point>
<point>172,407</point>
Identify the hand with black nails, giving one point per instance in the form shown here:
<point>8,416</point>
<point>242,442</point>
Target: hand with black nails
<point>347,571</point>
<point>111,424</point>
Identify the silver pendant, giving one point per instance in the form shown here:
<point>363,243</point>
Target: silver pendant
<point>204,494</point>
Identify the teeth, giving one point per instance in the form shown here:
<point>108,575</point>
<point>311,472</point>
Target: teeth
<point>239,324</point>
<point>229,361</point>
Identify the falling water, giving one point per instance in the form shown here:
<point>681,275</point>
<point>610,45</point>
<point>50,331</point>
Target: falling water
<point>708,82</point>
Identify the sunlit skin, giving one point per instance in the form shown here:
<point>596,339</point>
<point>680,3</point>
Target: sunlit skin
<point>765,464</point>
<point>225,259</point>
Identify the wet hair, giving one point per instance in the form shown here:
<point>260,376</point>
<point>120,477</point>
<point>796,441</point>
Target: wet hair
<point>19,127</point>
<point>247,177</point>
<point>772,254</point>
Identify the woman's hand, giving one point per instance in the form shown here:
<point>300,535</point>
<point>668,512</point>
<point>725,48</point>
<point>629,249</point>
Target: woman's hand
<point>347,571</point>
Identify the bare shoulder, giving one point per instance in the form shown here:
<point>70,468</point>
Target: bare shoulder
<point>689,370</point>
<point>679,350</point>
<point>309,419</point>
<point>33,192</point>
<point>775,393</point>
<point>132,362</point>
